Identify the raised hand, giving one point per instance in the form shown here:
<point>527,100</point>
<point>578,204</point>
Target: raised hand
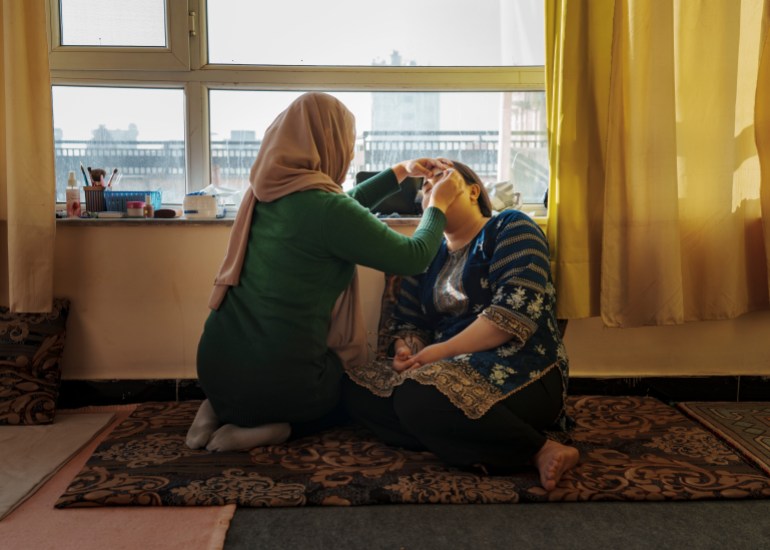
<point>441,192</point>
<point>421,168</point>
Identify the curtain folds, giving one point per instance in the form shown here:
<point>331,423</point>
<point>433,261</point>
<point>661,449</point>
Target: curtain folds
<point>659,159</point>
<point>26,159</point>
<point>762,127</point>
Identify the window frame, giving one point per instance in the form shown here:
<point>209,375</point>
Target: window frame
<point>185,65</point>
<point>174,56</point>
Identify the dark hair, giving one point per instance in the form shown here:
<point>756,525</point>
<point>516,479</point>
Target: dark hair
<point>471,177</point>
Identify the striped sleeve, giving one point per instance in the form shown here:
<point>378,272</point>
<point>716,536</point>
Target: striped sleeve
<point>519,277</point>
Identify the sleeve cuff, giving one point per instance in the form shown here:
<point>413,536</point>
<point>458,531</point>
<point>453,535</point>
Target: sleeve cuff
<point>512,323</point>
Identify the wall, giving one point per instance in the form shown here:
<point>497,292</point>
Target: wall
<point>4,262</point>
<point>139,293</point>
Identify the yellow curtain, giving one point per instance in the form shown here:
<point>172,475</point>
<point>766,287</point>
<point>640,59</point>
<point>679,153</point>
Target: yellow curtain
<point>655,158</point>
<point>762,125</point>
<point>27,224</point>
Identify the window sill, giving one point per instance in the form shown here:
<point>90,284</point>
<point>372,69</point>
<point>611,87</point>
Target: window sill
<point>401,221</point>
<point>154,222</point>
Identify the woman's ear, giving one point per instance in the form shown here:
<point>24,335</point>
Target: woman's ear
<point>474,191</point>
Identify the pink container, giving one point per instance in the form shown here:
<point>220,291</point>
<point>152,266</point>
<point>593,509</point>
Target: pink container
<point>135,209</point>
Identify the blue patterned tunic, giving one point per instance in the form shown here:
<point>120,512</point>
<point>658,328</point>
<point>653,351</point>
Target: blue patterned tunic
<point>503,275</point>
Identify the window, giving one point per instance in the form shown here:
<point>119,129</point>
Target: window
<point>86,23</point>
<point>113,34</point>
<point>118,129</point>
<point>426,33</point>
<point>393,126</point>
<point>178,98</point>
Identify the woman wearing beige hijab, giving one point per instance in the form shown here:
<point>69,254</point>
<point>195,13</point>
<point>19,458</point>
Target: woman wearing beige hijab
<point>285,316</point>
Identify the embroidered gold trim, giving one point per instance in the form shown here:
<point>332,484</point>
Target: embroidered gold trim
<point>470,392</point>
<point>518,325</point>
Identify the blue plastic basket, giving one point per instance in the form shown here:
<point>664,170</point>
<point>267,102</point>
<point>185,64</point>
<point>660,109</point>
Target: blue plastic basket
<point>115,201</point>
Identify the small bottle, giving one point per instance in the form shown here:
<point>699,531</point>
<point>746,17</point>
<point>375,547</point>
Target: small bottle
<point>149,210</point>
<point>73,196</point>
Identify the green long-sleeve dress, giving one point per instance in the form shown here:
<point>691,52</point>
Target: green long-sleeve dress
<point>263,355</point>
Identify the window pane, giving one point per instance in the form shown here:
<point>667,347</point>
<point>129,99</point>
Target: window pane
<point>113,23</point>
<point>399,32</point>
<point>395,126</point>
<point>138,131</point>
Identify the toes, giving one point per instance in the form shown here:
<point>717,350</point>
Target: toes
<point>194,442</point>
<point>203,426</point>
<point>219,439</point>
<point>197,437</point>
<point>553,462</point>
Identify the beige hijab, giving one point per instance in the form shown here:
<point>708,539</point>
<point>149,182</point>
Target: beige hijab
<point>308,146</point>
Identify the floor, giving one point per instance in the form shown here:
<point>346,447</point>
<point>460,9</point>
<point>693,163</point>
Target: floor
<point>717,525</point>
<point>734,525</point>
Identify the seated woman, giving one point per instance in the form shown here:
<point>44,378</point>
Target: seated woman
<point>479,370</point>
<point>285,309</point>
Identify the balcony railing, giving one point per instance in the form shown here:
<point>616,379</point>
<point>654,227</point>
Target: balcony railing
<point>146,165</point>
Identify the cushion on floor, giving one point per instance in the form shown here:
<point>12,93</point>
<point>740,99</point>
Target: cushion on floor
<point>31,346</point>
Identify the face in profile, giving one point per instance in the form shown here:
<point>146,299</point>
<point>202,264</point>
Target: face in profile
<point>469,194</point>
<point>429,183</point>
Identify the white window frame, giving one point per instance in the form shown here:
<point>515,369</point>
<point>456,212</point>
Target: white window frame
<point>174,56</point>
<point>185,65</point>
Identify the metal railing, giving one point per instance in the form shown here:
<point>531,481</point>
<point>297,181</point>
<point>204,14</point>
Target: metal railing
<point>161,164</point>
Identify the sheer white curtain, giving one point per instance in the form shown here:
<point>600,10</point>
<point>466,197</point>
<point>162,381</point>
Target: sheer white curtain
<point>27,189</point>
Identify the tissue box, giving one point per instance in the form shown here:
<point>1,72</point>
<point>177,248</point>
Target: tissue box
<point>200,206</point>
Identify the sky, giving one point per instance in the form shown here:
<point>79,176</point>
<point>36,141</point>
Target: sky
<point>427,32</point>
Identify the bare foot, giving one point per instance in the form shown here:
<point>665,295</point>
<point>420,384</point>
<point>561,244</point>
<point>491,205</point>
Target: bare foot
<point>235,438</point>
<point>552,460</point>
<point>204,424</point>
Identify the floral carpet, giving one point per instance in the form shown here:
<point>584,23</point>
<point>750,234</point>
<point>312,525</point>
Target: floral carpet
<point>632,449</point>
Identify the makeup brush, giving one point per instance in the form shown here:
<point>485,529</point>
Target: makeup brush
<point>109,182</point>
<point>85,177</point>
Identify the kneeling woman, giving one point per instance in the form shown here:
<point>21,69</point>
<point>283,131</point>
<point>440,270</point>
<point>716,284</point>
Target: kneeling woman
<point>285,307</point>
<point>479,370</point>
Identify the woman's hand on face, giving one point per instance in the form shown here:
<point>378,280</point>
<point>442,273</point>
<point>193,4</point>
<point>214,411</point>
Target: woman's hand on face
<point>443,191</point>
<point>421,168</point>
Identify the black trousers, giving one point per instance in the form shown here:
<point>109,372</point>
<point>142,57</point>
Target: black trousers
<point>420,417</point>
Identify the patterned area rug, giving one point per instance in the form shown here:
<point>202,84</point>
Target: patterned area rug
<point>746,426</point>
<point>632,449</point>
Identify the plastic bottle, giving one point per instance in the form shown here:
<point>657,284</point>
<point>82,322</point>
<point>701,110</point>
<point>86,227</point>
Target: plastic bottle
<point>73,196</point>
<point>149,210</point>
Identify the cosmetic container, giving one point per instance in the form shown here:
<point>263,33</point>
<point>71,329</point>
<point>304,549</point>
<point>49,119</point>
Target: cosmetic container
<point>73,196</point>
<point>135,209</point>
<point>149,211</point>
